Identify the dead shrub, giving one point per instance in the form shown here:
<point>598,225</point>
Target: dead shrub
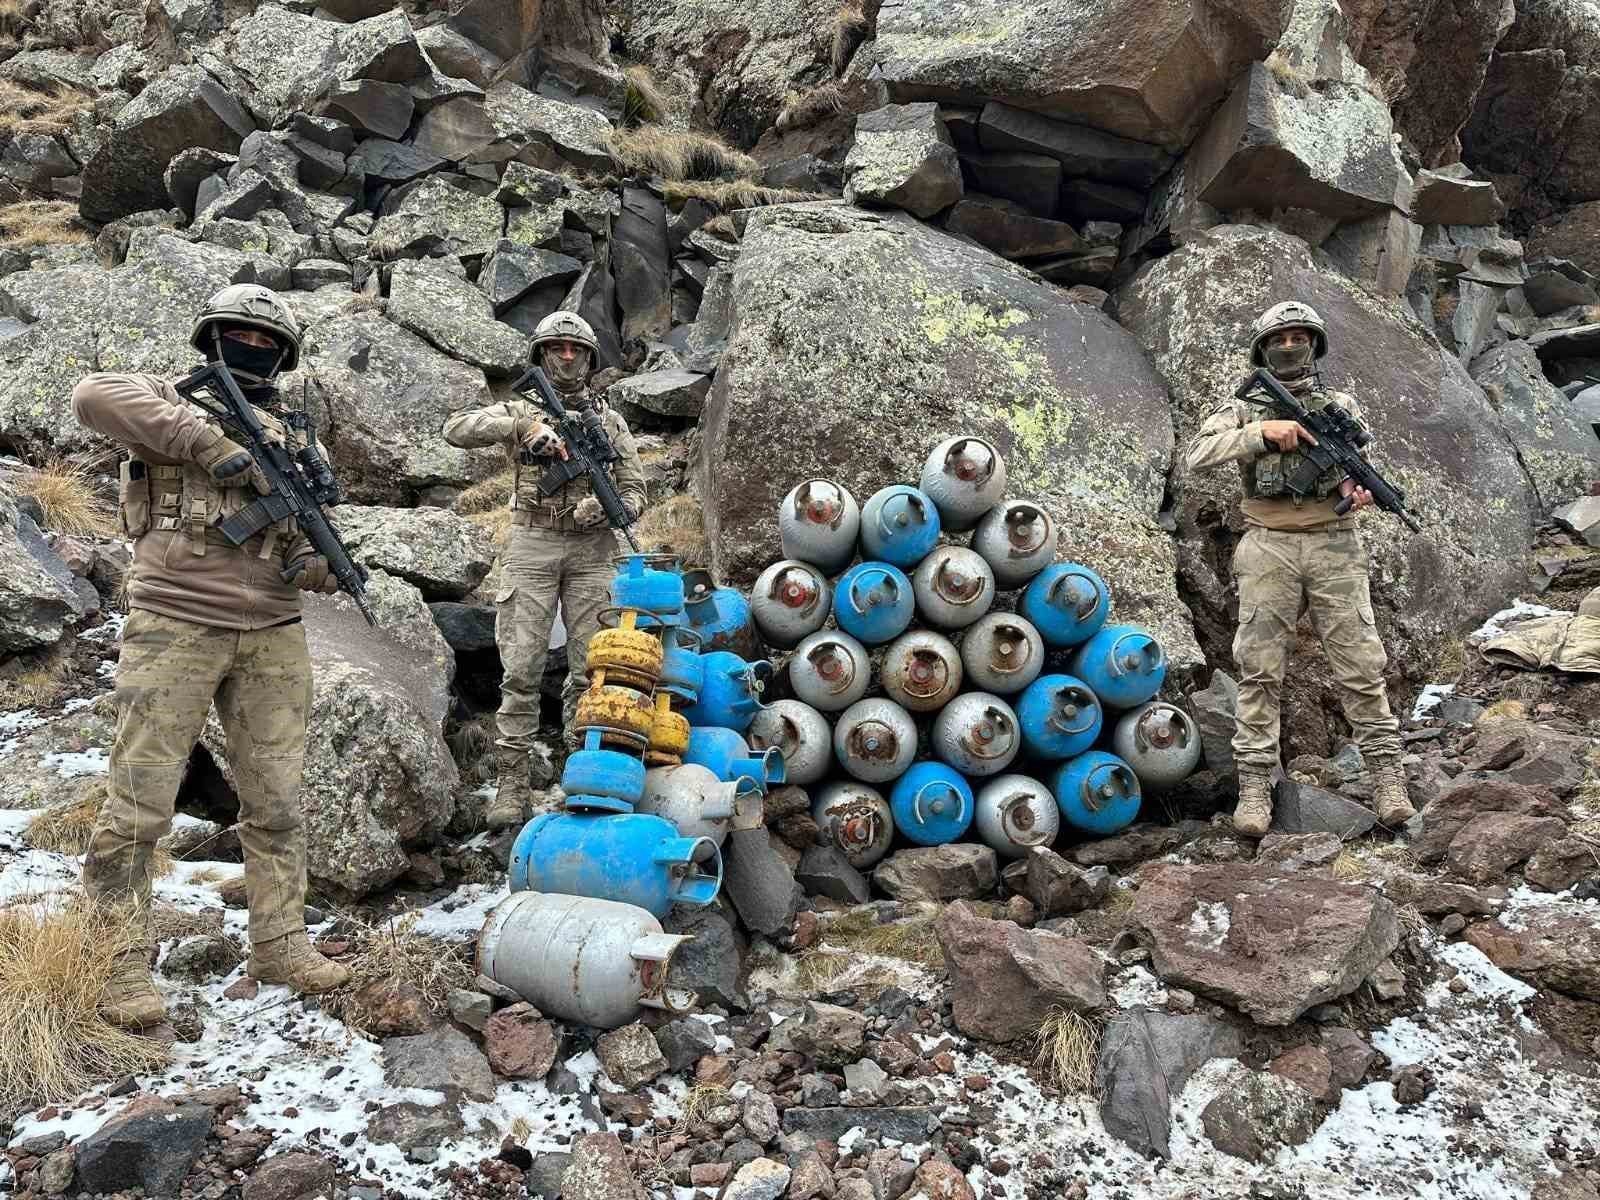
<point>29,223</point>
<point>676,154</point>
<point>675,526</point>
<point>803,109</point>
<point>644,100</point>
<point>69,495</point>
<point>26,110</point>
<point>726,195</point>
<point>395,953</point>
<point>1065,1049</point>
<point>849,31</point>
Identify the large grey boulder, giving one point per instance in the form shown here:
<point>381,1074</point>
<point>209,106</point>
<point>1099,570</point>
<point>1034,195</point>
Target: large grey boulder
<point>381,47</point>
<point>183,107</point>
<point>432,549</point>
<point>441,306</point>
<point>903,157</point>
<point>640,266</point>
<point>37,597</point>
<point>1436,435</point>
<point>912,336</point>
<point>511,272</point>
<point>387,393</point>
<point>1145,1059</point>
<point>437,217</point>
<point>1560,455</point>
<point>511,122</point>
<point>372,106</point>
<point>287,58</point>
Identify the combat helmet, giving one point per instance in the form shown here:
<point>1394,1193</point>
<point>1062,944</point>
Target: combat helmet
<point>254,307</point>
<point>1291,314</point>
<point>563,326</point>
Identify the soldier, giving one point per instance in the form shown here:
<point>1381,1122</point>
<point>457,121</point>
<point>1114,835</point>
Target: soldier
<point>559,547</point>
<point>1298,554</point>
<point>208,621</point>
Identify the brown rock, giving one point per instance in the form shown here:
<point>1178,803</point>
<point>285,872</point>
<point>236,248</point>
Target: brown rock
<point>393,1007</point>
<point>630,1055</point>
<point>1432,897</point>
<point>959,871</point>
<point>1558,865</point>
<point>936,1180</point>
<point>1137,843</point>
<point>1446,816</point>
<point>1555,947</point>
<point>1491,844</point>
<point>1007,980</point>
<point>520,1043</point>
<point>709,1174</point>
<point>1296,851</point>
<point>1573,234</point>
<point>1256,1113</point>
<point>599,1171</point>
<point>1308,1066</point>
<point>810,1178</point>
<point>290,1177</point>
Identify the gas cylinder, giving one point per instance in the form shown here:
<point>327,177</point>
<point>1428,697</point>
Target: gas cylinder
<point>632,857</point>
<point>731,693</point>
<point>1061,718</point>
<point>953,587</point>
<point>899,525</point>
<point>1002,653</point>
<point>931,804</point>
<point>964,477</point>
<point>620,715</point>
<point>790,600</point>
<point>921,671</point>
<point>875,740</point>
<point>728,756</point>
<point>1067,603</point>
<point>856,819</point>
<point>818,523</point>
<point>873,602</point>
<point>1018,540</point>
<point>630,657</point>
<point>682,669</point>
<point>1015,814</point>
<point>644,582</point>
<point>830,670</point>
<point>721,614</point>
<point>977,734</point>
<point>800,733</point>
<point>575,958</point>
<point>1097,793</point>
<point>1160,742</point>
<point>698,803</point>
<point>597,780</point>
<point>1124,664</point>
<point>669,735</point>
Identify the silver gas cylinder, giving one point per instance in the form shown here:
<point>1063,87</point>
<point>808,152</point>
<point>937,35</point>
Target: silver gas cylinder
<point>830,670</point>
<point>790,600</point>
<point>818,523</point>
<point>875,740</point>
<point>800,733</point>
<point>977,734</point>
<point>921,671</point>
<point>698,803</point>
<point>1160,742</point>
<point>1015,814</point>
<point>1002,653</point>
<point>1018,540</point>
<point>966,477</point>
<point>953,586</point>
<point>856,819</point>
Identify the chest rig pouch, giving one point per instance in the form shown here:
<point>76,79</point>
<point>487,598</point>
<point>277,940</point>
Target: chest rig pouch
<point>1278,474</point>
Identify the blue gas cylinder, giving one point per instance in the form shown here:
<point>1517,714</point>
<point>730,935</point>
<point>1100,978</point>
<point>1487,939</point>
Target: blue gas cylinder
<point>598,780</point>
<point>683,671</point>
<point>643,583</point>
<point>1060,716</point>
<point>726,754</point>
<point>634,858</point>
<point>721,614</point>
<point>932,804</point>
<point>730,695</point>
<point>899,525</point>
<point>873,602</point>
<point>1067,603</point>
<point>1124,664</point>
<point>1097,793</point>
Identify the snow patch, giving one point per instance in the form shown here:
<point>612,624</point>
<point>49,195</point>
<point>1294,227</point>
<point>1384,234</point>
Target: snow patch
<point>1137,988</point>
<point>93,761</point>
<point>1209,924</point>
<point>1520,611</point>
<point>1431,697</point>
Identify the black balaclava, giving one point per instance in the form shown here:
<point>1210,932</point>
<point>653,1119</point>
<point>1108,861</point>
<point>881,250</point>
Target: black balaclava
<point>256,366</point>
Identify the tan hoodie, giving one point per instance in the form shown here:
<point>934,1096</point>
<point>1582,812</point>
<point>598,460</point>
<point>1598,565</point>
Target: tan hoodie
<point>171,512</point>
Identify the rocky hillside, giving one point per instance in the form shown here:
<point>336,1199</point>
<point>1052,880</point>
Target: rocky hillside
<point>815,237</point>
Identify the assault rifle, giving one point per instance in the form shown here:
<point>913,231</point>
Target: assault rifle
<point>1339,442</point>
<point>589,452</point>
<point>300,484</point>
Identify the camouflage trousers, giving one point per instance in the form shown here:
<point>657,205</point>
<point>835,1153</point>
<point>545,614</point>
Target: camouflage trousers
<point>1324,573</point>
<point>539,567</point>
<point>168,677</point>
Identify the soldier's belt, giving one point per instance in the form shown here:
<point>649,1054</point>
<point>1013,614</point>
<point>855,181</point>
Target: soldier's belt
<point>545,516</point>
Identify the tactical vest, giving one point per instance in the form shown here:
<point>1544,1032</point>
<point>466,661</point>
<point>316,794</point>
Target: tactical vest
<point>1266,476</point>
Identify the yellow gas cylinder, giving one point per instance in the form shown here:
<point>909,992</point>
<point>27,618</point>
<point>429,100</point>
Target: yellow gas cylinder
<point>669,735</point>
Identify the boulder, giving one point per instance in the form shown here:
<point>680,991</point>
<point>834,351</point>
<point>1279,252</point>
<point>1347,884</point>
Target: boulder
<point>436,217</point>
<point>1573,234</point>
<point>1268,943</point>
<point>1031,180</point>
<point>1554,945</point>
<point>1559,454</point>
<point>1256,1113</point>
<point>1057,888</point>
<point>387,394</point>
<point>1085,154</point>
<point>1010,230</point>
<point>468,628</point>
<point>1563,862</point>
<point>512,271</point>
<point>381,47</point>
<point>711,963</point>
<point>825,871</point>
<point>914,336</point>
<point>184,107</point>
<point>439,305</point>
<point>1435,434</point>
<point>460,56</point>
<point>1556,284</point>
<point>1305,808</point>
<point>430,548</point>
<point>287,58</point>
<point>38,596</point>
<point>152,1146</point>
<point>385,161</point>
<point>1145,1059</point>
<point>441,1060</point>
<point>372,107</point>
<point>1149,71</point>
<point>1447,815</point>
<point>1444,199</point>
<point>671,393</point>
<point>640,266</point>
<point>1491,844</point>
<point>834,1036</point>
<point>1007,980</point>
<point>511,122</point>
<point>960,871</point>
<point>293,1176</point>
<point>903,157</point>
<point>1214,708</point>
<point>760,883</point>
<point>1310,1067</point>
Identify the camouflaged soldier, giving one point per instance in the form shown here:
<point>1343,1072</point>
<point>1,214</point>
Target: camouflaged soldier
<point>559,547</point>
<point>1298,555</point>
<point>208,623</point>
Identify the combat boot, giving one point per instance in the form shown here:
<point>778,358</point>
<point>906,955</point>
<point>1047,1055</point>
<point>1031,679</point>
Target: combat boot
<point>511,799</point>
<point>130,999</point>
<point>1389,792</point>
<point>293,960</point>
<point>1253,815</point>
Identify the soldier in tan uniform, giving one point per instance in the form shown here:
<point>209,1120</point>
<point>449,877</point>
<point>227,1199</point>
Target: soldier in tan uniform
<point>560,547</point>
<point>1298,555</point>
<point>208,623</point>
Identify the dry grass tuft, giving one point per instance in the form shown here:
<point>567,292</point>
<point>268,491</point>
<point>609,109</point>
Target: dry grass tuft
<point>392,954</point>
<point>65,828</point>
<point>1452,659</point>
<point>25,110</point>
<point>1065,1048</point>
<point>69,494</point>
<point>728,194</point>
<point>1119,901</point>
<point>37,680</point>
<point>912,939</point>
<point>488,494</point>
<point>1515,709</point>
<point>818,969</point>
<point>698,1101</point>
<point>168,923</point>
<point>41,223</point>
<point>54,961</point>
<point>13,18</point>
<point>1289,76</point>
<point>849,31</point>
<point>675,526</point>
<point>680,154</point>
<point>644,100</point>
<point>803,109</point>
<point>1348,867</point>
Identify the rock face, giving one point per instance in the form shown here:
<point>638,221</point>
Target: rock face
<point>913,336</point>
<point>959,871</point>
<point>1271,945</point>
<point>37,596</point>
<point>1436,435</point>
<point>1142,70</point>
<point>432,549</point>
<point>1145,1059</point>
<point>1555,946</point>
<point>1557,450</point>
<point>903,158</point>
<point>1573,234</point>
<point>152,1146</point>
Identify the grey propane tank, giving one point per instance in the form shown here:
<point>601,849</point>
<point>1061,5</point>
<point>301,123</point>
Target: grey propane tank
<point>596,962</point>
<point>830,670</point>
<point>1015,814</point>
<point>790,600</point>
<point>965,477</point>
<point>1159,741</point>
<point>698,803</point>
<point>1003,653</point>
<point>800,733</point>
<point>953,586</point>
<point>1018,540</point>
<point>977,734</point>
<point>921,671</point>
<point>818,523</point>
<point>856,819</point>
<point>875,740</point>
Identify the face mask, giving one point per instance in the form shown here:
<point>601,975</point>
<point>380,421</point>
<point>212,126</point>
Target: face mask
<point>568,376</point>
<point>252,363</point>
<point>1289,362</point>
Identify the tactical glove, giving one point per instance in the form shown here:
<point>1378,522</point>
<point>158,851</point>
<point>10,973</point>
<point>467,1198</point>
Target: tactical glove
<point>587,513</point>
<point>311,573</point>
<point>223,460</point>
<point>539,440</point>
